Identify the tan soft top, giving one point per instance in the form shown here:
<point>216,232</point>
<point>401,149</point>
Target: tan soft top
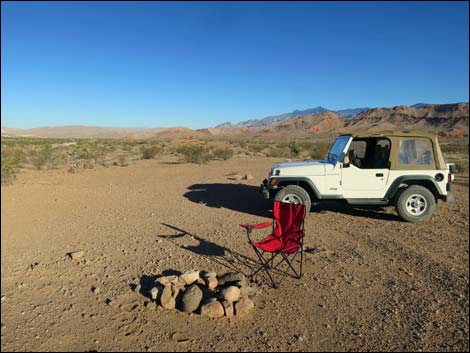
<point>395,137</point>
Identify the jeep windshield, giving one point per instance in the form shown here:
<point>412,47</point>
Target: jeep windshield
<point>337,149</point>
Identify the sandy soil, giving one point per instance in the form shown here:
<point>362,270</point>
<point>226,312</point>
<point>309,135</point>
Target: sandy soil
<point>372,283</point>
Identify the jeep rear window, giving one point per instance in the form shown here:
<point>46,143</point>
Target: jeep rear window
<point>415,151</point>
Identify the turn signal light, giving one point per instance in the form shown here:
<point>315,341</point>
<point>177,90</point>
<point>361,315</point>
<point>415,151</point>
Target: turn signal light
<point>273,181</point>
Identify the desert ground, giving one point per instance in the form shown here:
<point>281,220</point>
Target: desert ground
<point>371,282</point>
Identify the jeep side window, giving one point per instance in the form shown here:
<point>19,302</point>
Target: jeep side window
<point>370,153</point>
<point>357,152</point>
<point>415,151</point>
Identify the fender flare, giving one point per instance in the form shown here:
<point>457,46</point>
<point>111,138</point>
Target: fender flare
<point>392,190</point>
<point>296,180</point>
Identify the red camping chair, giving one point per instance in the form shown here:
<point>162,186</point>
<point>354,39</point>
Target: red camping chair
<point>285,240</point>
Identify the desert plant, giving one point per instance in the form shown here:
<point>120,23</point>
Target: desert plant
<point>279,152</point>
<point>223,153</point>
<point>194,154</point>
<point>40,158</point>
<point>9,167</point>
<point>295,148</point>
<point>319,150</point>
<point>150,152</point>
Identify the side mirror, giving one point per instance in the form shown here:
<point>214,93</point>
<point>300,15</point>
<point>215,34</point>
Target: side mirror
<point>346,162</point>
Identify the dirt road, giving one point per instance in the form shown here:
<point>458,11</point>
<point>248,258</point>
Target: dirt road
<point>371,282</point>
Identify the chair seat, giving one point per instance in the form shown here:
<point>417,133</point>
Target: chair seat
<point>272,243</point>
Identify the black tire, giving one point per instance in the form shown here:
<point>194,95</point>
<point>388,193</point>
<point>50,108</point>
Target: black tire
<point>296,192</point>
<point>407,206</point>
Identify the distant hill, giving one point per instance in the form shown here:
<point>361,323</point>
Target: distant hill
<point>275,119</point>
<point>444,119</point>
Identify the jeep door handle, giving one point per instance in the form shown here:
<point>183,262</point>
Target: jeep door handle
<point>379,175</point>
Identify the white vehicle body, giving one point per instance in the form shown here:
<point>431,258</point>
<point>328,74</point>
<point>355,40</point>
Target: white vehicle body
<point>337,177</point>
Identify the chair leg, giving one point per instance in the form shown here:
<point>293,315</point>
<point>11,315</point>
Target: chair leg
<point>264,265</point>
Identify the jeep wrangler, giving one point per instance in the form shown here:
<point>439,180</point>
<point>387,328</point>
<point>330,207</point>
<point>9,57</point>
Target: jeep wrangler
<point>403,169</point>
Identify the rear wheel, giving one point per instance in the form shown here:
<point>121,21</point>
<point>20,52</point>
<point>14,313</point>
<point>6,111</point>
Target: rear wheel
<point>294,194</point>
<point>415,203</point>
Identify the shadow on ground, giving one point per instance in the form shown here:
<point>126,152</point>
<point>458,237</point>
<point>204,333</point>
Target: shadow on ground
<point>247,199</point>
<point>220,254</point>
<point>238,197</point>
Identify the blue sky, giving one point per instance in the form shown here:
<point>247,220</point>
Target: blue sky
<point>151,64</point>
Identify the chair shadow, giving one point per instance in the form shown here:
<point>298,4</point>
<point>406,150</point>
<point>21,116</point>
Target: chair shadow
<point>238,197</point>
<point>219,254</point>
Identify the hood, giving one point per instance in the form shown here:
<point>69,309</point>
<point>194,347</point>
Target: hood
<point>307,167</point>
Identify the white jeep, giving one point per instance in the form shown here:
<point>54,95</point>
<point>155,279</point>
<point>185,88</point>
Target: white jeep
<point>390,168</point>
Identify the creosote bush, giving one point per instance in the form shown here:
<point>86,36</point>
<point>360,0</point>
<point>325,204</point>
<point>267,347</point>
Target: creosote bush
<point>194,154</point>
<point>9,167</point>
<point>150,152</point>
<point>223,153</point>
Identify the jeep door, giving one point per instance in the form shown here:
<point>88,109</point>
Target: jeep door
<point>366,174</point>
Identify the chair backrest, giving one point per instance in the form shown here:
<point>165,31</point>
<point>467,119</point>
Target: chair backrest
<point>289,219</point>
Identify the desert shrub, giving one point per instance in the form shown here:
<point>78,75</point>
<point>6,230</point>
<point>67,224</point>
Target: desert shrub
<point>461,166</point>
<point>194,154</point>
<point>150,152</point>
<point>42,157</point>
<point>9,167</point>
<point>279,152</point>
<point>257,148</point>
<point>295,148</point>
<point>319,150</point>
<point>455,148</point>
<point>223,153</point>
<point>122,161</point>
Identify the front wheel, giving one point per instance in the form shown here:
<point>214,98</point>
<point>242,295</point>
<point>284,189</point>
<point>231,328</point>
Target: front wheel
<point>415,203</point>
<point>294,194</point>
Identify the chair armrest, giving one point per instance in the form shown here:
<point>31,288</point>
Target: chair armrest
<point>256,226</point>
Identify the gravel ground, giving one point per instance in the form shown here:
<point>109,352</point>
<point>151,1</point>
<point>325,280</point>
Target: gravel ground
<point>372,282</point>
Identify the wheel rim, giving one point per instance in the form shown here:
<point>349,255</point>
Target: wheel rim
<point>416,204</point>
<point>292,198</point>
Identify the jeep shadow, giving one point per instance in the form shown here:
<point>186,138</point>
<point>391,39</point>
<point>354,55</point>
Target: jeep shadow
<point>237,197</point>
<point>247,199</point>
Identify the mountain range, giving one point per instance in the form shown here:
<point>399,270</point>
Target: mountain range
<point>445,119</point>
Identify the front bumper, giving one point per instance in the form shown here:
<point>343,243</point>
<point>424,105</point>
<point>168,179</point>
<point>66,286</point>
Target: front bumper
<point>448,198</point>
<point>264,190</point>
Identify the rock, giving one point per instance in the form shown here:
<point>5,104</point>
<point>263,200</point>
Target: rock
<point>201,282</point>
<point>212,309</point>
<point>113,303</point>
<point>167,280</point>
<point>151,305</point>
<point>74,255</point>
<point>248,177</point>
<point>3,298</point>
<point>231,277</point>
<point>154,293</point>
<point>248,292</point>
<point>242,283</point>
<point>211,283</point>
<point>243,307</point>
<point>236,177</point>
<point>230,294</point>
<point>189,277</point>
<point>137,288</point>
<point>228,308</point>
<point>168,298</point>
<point>95,290</point>
<point>74,169</point>
<point>192,297</point>
<point>210,274</point>
<point>89,164</point>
